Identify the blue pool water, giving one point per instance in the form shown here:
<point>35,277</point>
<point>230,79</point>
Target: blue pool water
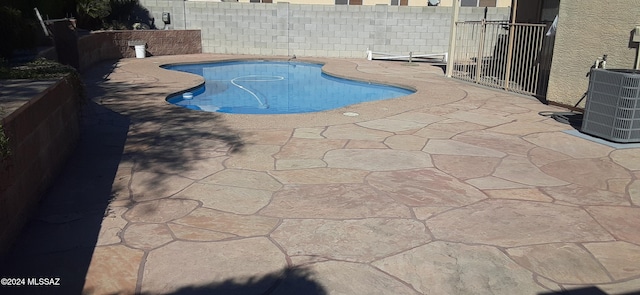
<point>274,87</point>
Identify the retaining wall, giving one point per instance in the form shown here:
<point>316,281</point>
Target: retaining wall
<point>42,133</point>
<point>105,45</point>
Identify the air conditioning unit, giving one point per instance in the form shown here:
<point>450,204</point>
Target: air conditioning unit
<point>612,110</point>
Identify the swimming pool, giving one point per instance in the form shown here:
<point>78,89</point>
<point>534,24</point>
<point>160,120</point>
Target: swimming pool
<point>274,87</point>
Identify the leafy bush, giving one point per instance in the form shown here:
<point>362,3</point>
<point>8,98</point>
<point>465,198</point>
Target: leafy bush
<point>111,14</point>
<point>91,13</point>
<point>38,69</point>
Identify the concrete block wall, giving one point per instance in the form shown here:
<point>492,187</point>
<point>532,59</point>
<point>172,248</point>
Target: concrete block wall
<point>43,134</point>
<point>317,30</point>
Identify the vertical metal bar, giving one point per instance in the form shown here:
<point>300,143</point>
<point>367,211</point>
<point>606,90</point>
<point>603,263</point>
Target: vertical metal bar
<point>480,59</point>
<point>532,59</point>
<point>507,68</point>
<point>494,60</point>
<point>507,74</point>
<point>496,55</point>
<point>539,55</point>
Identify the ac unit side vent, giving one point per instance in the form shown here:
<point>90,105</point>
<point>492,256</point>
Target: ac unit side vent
<point>612,110</point>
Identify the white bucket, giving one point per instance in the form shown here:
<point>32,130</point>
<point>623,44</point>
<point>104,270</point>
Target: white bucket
<point>140,51</point>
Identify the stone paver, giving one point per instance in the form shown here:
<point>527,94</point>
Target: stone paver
<point>519,194</point>
<point>229,223</point>
<point>563,263</point>
<point>245,179</point>
<point>569,145</point>
<point>376,159</point>
<point>428,187</point>
<point>620,221</point>
<point>160,211</point>
<point>444,268</point>
<point>238,200</point>
<point>452,190</point>
<point>355,132</point>
<point>614,256</point>
<point>320,176</point>
<point>453,147</point>
<point>391,125</point>
<point>510,223</point>
<point>465,167</point>
<point>192,264</point>
<point>113,269</point>
<point>359,240</point>
<point>580,195</point>
<point>406,142</point>
<point>151,186</point>
<point>336,201</point>
<point>580,171</point>
<point>304,148</point>
<point>520,170</point>
<point>147,236</point>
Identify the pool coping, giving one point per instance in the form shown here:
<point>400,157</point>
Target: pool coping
<point>425,95</point>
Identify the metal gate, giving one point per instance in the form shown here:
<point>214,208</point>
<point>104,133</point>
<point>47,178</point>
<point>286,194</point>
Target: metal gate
<point>513,57</point>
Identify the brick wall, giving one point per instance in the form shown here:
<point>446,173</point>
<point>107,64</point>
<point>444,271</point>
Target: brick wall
<point>43,134</point>
<point>316,30</point>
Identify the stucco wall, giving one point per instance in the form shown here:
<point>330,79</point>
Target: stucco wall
<point>587,29</point>
<point>317,30</point>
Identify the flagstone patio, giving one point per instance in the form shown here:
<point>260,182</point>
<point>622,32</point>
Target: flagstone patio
<point>456,189</point>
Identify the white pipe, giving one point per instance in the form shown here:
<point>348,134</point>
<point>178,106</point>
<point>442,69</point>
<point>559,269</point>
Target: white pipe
<point>44,28</point>
<point>638,58</point>
<point>452,37</point>
<point>255,78</point>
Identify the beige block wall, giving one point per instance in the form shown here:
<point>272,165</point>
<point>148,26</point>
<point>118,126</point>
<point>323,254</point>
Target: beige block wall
<point>587,29</point>
<point>499,3</point>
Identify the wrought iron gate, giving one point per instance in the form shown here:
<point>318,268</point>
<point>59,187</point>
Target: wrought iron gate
<point>513,57</point>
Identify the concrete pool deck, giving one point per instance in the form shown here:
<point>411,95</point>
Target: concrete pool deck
<point>455,189</point>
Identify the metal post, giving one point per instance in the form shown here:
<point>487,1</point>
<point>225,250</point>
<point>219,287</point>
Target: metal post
<point>480,56</point>
<point>507,74</point>
<point>452,37</point>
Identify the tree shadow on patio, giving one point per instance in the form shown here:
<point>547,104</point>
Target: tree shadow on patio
<point>163,140</point>
<point>58,241</point>
<point>123,130</point>
<point>289,281</point>
<point>590,290</point>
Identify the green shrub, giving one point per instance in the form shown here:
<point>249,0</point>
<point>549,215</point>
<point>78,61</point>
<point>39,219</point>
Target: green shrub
<point>38,69</point>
